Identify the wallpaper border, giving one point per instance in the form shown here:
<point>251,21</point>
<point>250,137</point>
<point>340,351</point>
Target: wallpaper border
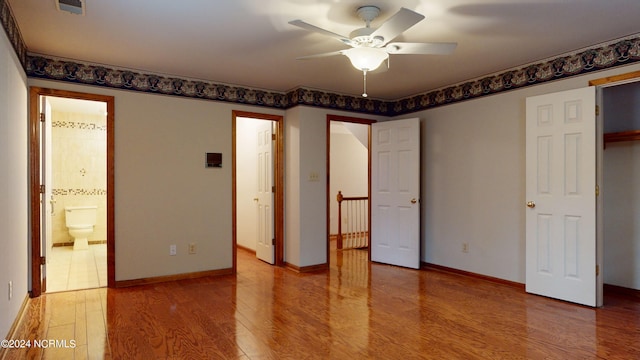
<point>13,32</point>
<point>608,55</point>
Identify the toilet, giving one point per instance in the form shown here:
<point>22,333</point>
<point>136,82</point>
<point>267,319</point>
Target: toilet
<point>80,221</point>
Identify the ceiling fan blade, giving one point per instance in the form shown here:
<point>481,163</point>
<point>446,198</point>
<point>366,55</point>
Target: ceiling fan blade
<point>340,52</point>
<point>307,26</point>
<point>421,48</point>
<point>397,24</point>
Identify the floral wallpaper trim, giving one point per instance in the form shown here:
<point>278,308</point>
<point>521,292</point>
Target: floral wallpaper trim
<point>604,56</point>
<point>13,32</point>
<point>42,66</point>
<point>616,53</point>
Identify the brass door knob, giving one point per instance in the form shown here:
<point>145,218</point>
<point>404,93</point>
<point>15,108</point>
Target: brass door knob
<point>414,200</point>
<point>531,204</point>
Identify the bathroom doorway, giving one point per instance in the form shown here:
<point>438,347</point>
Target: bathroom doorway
<point>72,177</point>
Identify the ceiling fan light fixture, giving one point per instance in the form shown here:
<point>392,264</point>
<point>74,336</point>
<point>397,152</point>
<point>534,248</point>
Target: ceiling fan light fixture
<point>366,58</point>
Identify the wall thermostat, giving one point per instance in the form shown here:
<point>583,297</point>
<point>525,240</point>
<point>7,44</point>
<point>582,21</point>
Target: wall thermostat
<point>214,160</point>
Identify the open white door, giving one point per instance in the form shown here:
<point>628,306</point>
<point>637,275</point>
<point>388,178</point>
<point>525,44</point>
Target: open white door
<point>395,192</point>
<point>561,196</point>
<point>47,169</point>
<point>46,199</point>
<point>265,247</point>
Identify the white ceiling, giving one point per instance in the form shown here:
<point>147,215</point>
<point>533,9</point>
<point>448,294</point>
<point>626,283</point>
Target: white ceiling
<point>250,43</point>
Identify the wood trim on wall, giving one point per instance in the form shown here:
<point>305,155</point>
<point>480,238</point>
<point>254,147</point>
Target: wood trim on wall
<point>307,269</point>
<point>329,198</point>
<point>244,248</point>
<point>429,266</point>
<point>615,78</point>
<point>167,278</point>
<point>34,192</point>
<point>279,184</point>
<point>615,289</point>
<point>34,181</point>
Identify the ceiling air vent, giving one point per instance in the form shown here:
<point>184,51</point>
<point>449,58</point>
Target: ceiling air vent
<point>72,6</point>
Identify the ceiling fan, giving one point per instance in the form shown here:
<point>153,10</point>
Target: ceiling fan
<point>371,46</point>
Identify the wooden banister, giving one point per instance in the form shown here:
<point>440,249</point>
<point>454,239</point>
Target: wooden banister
<point>363,226</point>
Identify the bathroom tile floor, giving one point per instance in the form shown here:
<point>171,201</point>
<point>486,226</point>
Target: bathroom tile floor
<point>81,269</point>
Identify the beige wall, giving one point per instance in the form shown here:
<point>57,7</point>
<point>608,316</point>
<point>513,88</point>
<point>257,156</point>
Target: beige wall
<point>473,171</point>
<point>14,200</point>
<point>305,144</point>
<point>473,180</point>
<point>246,181</point>
<point>164,195</point>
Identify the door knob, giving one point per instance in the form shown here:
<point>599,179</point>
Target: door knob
<point>531,204</point>
<point>413,201</point>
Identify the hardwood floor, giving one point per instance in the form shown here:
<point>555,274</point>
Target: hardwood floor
<point>354,311</point>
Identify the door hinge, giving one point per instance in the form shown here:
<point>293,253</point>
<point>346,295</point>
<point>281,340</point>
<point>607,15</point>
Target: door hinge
<point>43,260</point>
<point>41,189</point>
<point>42,117</point>
<point>597,270</point>
<point>273,189</point>
<point>273,137</point>
<point>597,110</point>
<point>597,190</point>
<point>273,241</point>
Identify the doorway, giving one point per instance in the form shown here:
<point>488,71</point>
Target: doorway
<point>348,144</point>
<point>258,186</point>
<point>611,206</point>
<point>71,169</point>
<point>620,192</point>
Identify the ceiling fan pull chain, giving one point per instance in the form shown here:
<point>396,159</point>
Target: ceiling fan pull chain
<point>364,73</point>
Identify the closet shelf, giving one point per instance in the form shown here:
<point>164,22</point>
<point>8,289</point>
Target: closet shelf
<point>632,135</point>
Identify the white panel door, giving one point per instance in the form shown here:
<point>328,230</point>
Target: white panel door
<point>395,192</point>
<point>265,248</point>
<point>46,198</point>
<point>48,171</point>
<point>561,198</point>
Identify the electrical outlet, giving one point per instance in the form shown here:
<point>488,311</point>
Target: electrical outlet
<point>465,247</point>
<point>172,250</point>
<point>10,289</point>
<point>192,248</point>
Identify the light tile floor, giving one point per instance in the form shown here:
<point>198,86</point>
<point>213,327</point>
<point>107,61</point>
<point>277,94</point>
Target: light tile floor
<point>80,269</point>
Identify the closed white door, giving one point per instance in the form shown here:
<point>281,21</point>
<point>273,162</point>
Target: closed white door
<point>395,192</point>
<point>561,196</point>
<point>265,247</point>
